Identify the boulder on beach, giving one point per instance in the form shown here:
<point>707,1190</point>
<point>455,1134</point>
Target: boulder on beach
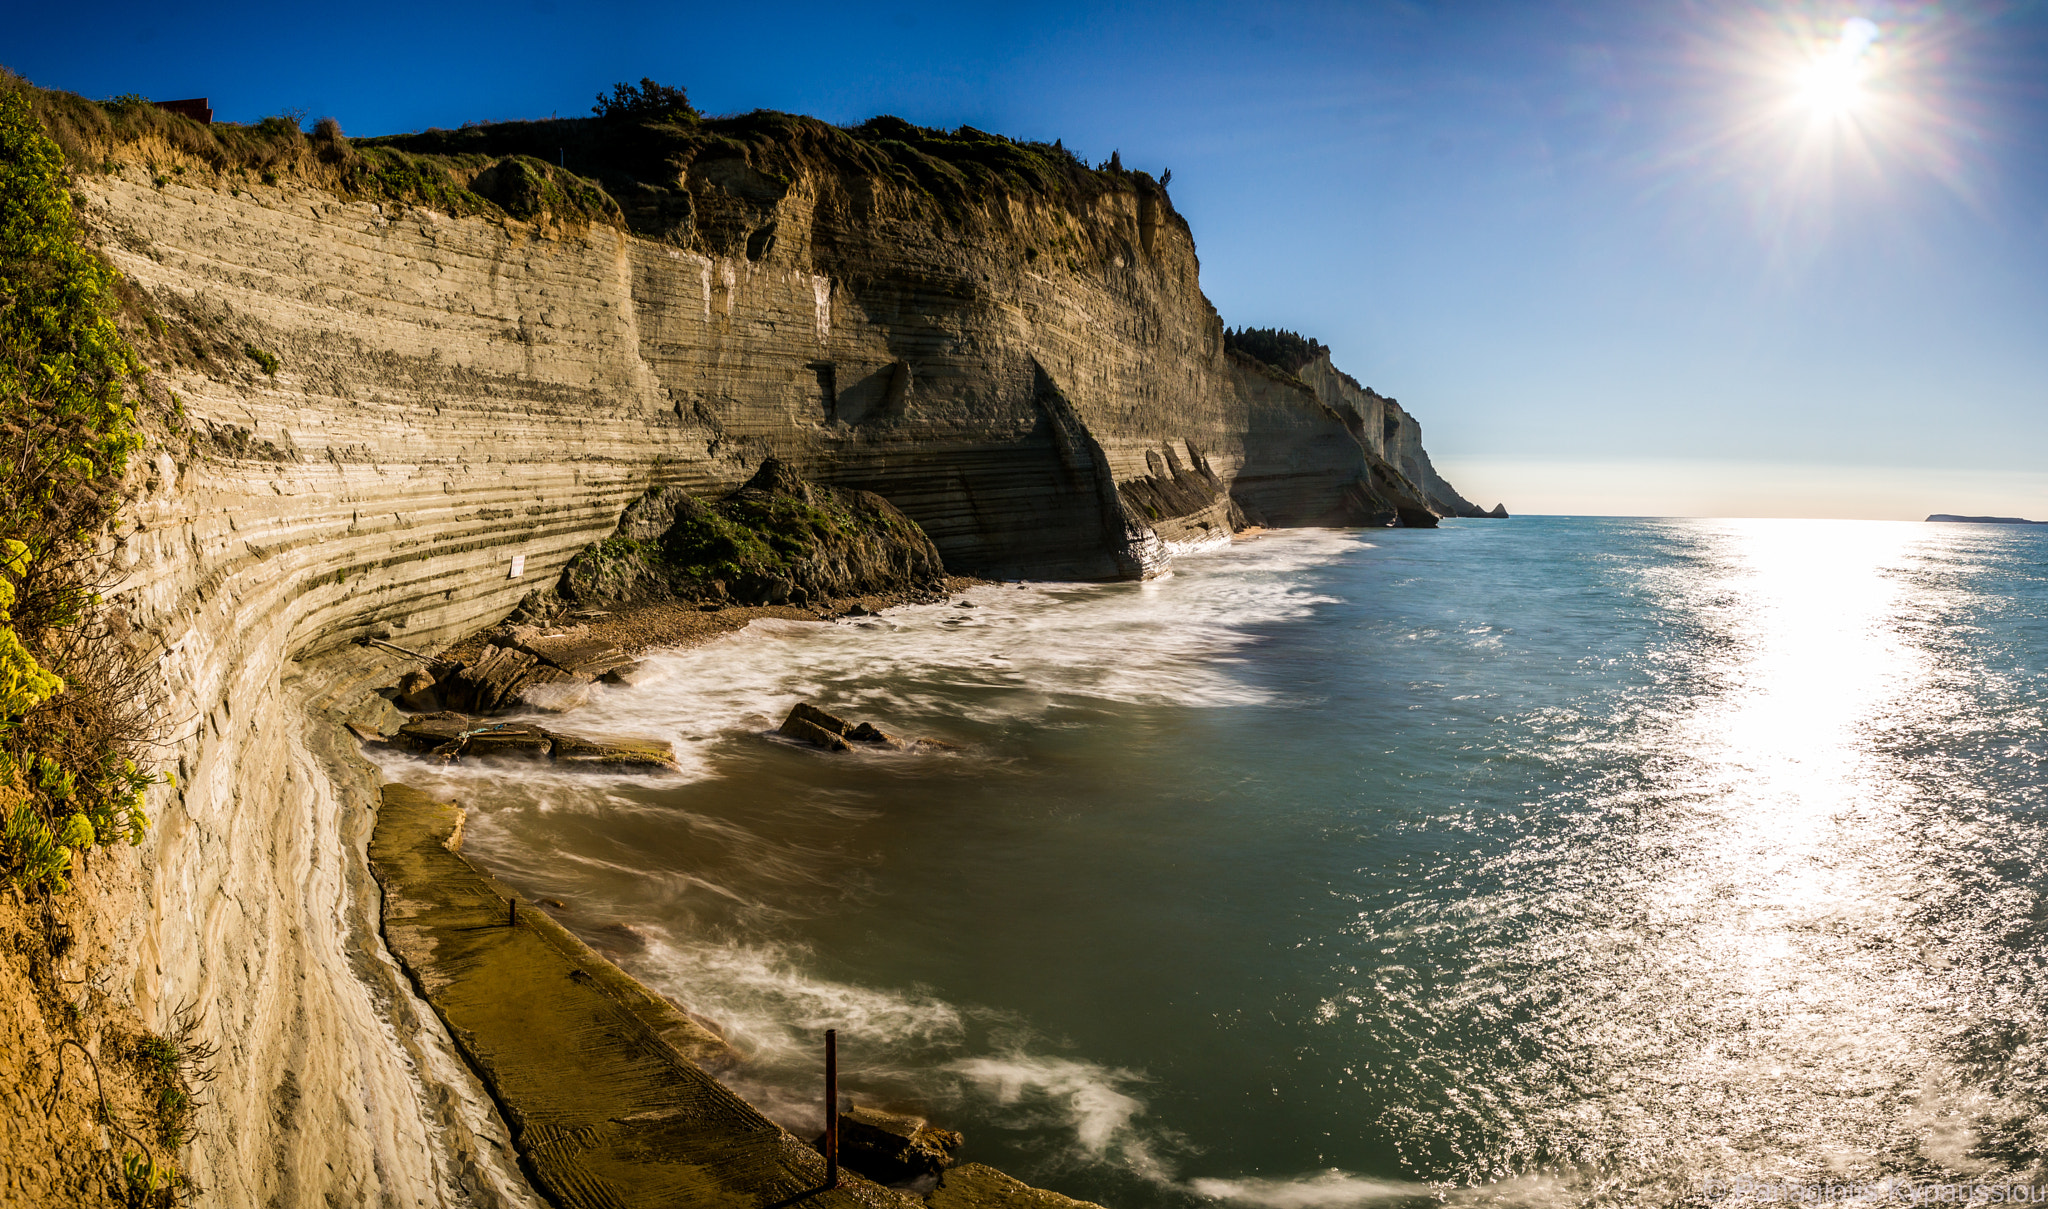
<point>522,665</point>
<point>375,720</point>
<point>494,680</point>
<point>779,539</point>
<point>576,653</point>
<point>890,1148</point>
<point>416,692</point>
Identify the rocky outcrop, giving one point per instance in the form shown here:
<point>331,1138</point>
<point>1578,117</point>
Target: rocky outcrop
<point>807,723</point>
<point>451,736</point>
<point>780,539</point>
<point>452,406</point>
<point>892,1148</point>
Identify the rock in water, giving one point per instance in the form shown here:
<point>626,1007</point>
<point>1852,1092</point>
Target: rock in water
<point>1499,513</point>
<point>809,724</point>
<point>830,731</point>
<point>868,732</point>
<point>621,755</point>
<point>509,739</point>
<point>632,674</point>
<point>890,1148</point>
<point>813,734</point>
<point>804,711</point>
<point>429,731</point>
<point>452,735</point>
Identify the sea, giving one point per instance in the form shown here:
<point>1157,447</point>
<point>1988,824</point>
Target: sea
<point>1545,861</point>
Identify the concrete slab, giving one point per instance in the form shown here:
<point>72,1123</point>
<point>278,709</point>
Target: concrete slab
<point>599,1079</point>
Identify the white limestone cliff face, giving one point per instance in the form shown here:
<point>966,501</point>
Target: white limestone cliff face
<point>1381,425</point>
<point>457,393</point>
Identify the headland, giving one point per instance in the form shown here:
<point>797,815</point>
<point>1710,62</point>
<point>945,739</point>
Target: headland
<point>391,389</point>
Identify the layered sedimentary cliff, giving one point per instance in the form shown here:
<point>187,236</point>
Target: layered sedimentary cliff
<point>1380,424</point>
<point>383,406</point>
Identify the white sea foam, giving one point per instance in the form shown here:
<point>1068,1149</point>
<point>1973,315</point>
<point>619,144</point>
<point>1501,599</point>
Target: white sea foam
<point>1022,651</point>
<point>772,1008</point>
<point>1325,1190</point>
<point>1092,1101</point>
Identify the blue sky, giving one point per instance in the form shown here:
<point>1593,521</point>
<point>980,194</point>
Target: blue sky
<point>1603,250</point>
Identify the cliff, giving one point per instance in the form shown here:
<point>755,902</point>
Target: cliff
<point>389,387</point>
<point>1380,424</point>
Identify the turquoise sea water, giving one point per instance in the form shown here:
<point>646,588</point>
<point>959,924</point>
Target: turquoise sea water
<point>1548,861</point>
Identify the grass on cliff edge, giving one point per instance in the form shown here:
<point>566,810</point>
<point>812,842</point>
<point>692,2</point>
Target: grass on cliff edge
<point>635,149</point>
<point>73,700</point>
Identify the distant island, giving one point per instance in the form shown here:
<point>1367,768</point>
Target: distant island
<point>1985,520</point>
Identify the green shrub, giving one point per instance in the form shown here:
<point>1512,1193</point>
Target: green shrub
<point>267,360</point>
<point>646,102</point>
<point>73,705</point>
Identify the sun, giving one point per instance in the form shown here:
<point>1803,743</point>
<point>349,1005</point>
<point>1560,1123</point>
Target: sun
<point>1795,115</point>
<point>1830,87</point>
<point>1831,84</point>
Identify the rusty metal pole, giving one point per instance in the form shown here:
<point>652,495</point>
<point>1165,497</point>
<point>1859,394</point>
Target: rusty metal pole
<point>831,1108</point>
<point>512,916</point>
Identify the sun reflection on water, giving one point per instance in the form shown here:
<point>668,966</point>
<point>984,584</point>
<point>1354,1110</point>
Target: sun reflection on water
<point>1747,931</point>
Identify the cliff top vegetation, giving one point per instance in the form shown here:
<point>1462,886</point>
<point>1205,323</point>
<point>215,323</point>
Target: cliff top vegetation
<point>623,164</point>
<point>1283,350</point>
<point>1285,353</point>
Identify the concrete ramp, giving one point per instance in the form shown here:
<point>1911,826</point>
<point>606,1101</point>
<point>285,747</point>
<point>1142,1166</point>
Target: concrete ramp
<point>599,1080</point>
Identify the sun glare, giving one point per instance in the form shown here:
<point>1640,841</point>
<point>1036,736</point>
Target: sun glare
<point>1831,84</point>
<point>1799,116</point>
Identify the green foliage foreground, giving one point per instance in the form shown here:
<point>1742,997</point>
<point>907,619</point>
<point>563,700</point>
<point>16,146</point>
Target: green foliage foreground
<point>72,713</point>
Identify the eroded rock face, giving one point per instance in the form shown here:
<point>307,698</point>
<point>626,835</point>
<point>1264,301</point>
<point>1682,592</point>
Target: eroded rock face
<point>453,394</point>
